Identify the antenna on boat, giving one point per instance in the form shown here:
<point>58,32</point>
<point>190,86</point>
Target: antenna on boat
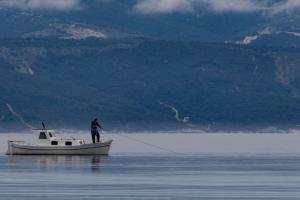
<point>44,127</point>
<point>38,129</point>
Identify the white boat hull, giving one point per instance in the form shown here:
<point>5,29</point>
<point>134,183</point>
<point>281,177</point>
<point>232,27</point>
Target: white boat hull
<point>16,148</point>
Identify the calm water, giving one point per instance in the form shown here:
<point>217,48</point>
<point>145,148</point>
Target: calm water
<point>150,177</point>
<point>159,175</point>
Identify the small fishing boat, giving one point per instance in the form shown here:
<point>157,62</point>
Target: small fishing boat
<point>49,144</point>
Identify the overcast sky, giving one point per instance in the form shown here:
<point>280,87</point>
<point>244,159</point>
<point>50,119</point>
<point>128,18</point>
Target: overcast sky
<point>219,6</point>
<point>147,7</point>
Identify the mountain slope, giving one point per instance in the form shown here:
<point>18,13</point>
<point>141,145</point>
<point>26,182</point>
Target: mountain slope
<point>137,82</point>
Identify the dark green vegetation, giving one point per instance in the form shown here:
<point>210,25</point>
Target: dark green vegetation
<point>124,81</point>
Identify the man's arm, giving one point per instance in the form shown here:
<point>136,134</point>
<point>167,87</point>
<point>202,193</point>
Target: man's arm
<point>99,126</point>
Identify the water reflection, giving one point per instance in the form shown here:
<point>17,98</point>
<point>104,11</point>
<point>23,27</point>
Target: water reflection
<point>59,162</point>
<point>95,163</point>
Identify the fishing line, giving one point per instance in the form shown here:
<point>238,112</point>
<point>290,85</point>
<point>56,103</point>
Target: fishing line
<point>148,144</point>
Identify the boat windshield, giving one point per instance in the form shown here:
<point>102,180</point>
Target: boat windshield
<point>42,136</point>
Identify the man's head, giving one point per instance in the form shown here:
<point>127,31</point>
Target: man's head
<point>95,119</point>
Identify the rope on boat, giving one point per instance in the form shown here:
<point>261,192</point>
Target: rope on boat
<point>148,144</point>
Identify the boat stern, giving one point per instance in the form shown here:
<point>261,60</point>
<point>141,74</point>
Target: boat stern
<point>9,148</point>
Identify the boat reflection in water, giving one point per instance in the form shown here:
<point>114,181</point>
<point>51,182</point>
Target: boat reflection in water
<point>58,162</point>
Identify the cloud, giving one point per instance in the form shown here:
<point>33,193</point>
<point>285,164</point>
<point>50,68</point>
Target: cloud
<point>41,4</point>
<point>164,6</point>
<point>285,6</point>
<point>216,6</point>
<point>233,5</point>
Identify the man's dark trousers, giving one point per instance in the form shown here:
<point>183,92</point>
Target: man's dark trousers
<point>95,134</point>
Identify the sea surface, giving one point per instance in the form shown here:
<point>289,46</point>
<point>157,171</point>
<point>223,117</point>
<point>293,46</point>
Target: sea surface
<point>160,166</point>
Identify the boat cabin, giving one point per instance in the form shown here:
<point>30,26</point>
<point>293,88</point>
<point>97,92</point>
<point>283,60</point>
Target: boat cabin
<point>46,134</point>
<point>47,137</point>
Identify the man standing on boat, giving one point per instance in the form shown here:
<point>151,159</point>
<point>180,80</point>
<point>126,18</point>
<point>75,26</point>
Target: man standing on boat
<point>94,130</point>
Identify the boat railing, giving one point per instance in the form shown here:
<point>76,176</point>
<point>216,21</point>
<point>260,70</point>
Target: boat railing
<point>16,141</point>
